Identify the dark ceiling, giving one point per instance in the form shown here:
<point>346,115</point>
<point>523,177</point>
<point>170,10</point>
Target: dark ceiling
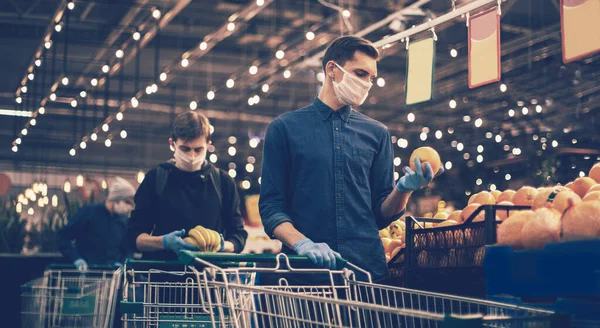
<point>532,70</point>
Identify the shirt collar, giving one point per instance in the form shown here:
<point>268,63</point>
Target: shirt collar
<point>326,111</point>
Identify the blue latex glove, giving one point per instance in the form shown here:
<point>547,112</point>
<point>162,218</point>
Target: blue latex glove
<point>412,180</point>
<point>174,242</point>
<point>81,265</point>
<point>319,253</point>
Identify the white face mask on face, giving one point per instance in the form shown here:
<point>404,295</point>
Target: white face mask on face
<point>351,90</point>
<point>187,163</point>
<point>122,208</point>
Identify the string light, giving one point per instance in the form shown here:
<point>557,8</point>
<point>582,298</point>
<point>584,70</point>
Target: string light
<point>511,112</point>
<point>231,26</point>
<point>82,145</point>
<point>467,118</point>
<point>83,94</point>
<point>123,134</point>
<point>310,35</point>
<point>554,143</point>
<point>423,136</point>
<point>74,103</point>
<point>460,146</point>
<point>193,105</point>
<point>18,141</point>
<point>410,117</point>
<point>94,136</point>
<point>30,76</point>
<point>574,141</point>
<point>246,184</point>
<point>287,74</point>
<point>48,44</point>
<point>19,100</point>
<point>107,143</point>
<point>249,168</point>
<point>516,151</point>
<point>232,173</point>
<point>479,181</point>
<point>24,131</point>
<point>480,149</point>
<point>230,83</point>
<point>210,95</point>
<point>203,45</point>
<point>448,165</point>
<point>479,158</point>
<point>53,96</point>
<point>72,152</point>
<point>438,134</point>
<point>163,76</point>
<point>525,110</point>
<point>253,142</point>
<point>38,62</point>
<point>466,156</point>
<point>397,161</point>
<point>213,158</point>
<point>134,102</point>
<point>478,122</point>
<point>231,151</point>
<point>94,82</point>
<point>15,148</point>
<point>402,143</point>
<point>346,13</point>
<point>24,89</point>
<point>381,82</point>
<point>79,180</point>
<point>498,138</point>
<point>507,177</point>
<point>156,14</point>
<point>31,211</point>
<point>140,176</point>
<point>253,69</point>
<point>265,88</point>
<point>453,53</point>
<point>136,36</point>
<point>452,103</point>
<point>71,5</point>
<point>279,54</point>
<point>538,109</point>
<point>232,140</point>
<point>503,87</point>
<point>119,116</point>
<point>105,69</point>
<point>105,127</point>
<point>33,122</point>
<point>54,201</point>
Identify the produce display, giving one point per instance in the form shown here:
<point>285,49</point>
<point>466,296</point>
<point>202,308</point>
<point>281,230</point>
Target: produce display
<point>570,212</point>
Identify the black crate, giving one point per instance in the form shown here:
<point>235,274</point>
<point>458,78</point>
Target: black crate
<point>450,259</point>
<point>395,276</point>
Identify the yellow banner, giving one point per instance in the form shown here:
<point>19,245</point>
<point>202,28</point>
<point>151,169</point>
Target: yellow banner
<point>420,71</point>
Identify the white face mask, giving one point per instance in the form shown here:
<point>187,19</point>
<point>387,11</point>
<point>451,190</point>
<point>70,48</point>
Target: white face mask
<point>351,90</point>
<point>122,208</point>
<point>187,163</point>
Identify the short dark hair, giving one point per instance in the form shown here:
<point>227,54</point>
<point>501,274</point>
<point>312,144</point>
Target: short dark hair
<point>343,48</point>
<point>190,125</point>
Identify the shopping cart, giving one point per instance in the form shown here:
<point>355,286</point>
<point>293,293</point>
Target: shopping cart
<point>349,302</point>
<point>66,297</point>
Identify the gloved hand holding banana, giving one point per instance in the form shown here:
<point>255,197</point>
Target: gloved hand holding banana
<point>206,240</point>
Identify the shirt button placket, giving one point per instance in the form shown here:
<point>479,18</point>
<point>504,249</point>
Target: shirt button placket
<point>338,157</point>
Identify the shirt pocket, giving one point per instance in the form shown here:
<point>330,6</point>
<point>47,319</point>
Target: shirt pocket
<point>360,165</point>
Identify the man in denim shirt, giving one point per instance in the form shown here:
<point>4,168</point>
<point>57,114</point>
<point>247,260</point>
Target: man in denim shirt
<point>328,176</point>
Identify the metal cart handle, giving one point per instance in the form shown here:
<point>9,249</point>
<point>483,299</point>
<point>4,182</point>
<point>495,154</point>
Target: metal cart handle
<point>91,267</point>
<point>187,257</point>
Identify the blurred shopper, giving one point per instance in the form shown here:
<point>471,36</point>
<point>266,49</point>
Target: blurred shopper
<point>183,193</point>
<point>96,233</point>
<point>328,175</point>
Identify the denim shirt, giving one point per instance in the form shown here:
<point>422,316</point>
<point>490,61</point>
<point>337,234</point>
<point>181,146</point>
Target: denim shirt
<point>328,173</point>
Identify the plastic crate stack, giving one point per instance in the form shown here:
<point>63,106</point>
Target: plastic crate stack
<point>450,259</point>
<point>563,277</point>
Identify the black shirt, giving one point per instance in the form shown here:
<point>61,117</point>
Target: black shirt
<point>187,200</point>
<point>99,236</point>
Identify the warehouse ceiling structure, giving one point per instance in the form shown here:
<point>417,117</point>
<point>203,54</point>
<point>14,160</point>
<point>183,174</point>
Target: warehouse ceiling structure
<point>244,62</point>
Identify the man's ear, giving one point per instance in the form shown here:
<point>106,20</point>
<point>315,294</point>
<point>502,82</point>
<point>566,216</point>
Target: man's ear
<point>330,69</point>
<point>172,144</point>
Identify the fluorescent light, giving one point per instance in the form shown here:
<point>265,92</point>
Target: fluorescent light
<point>18,113</point>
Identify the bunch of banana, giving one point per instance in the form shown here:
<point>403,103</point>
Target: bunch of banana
<point>206,240</point>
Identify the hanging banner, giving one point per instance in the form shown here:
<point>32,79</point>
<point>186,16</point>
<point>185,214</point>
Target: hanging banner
<point>580,23</point>
<point>484,48</point>
<point>420,65</point>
